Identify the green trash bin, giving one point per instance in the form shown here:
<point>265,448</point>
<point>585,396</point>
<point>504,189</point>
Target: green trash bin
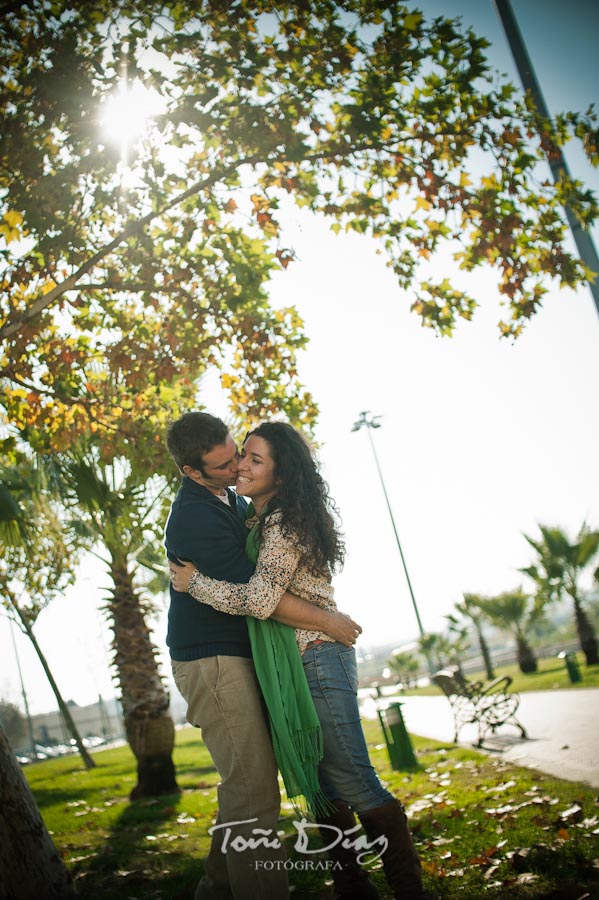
<point>572,666</point>
<point>399,746</point>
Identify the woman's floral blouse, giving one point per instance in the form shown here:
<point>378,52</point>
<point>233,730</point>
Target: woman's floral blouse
<point>282,566</point>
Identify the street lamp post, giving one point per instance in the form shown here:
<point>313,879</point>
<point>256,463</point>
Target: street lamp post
<point>368,421</point>
<point>24,693</point>
<point>555,158</point>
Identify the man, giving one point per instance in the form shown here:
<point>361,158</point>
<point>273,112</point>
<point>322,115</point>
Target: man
<point>212,664</point>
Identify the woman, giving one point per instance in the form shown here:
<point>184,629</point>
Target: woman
<point>299,548</point>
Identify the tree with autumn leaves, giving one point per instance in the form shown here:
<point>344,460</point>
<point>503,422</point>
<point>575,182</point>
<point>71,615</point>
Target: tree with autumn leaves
<point>122,275</point>
<point>127,273</point>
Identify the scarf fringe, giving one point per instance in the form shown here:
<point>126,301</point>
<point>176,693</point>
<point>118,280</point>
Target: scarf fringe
<point>309,749</point>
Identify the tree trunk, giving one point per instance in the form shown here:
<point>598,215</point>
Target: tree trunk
<point>457,662</point>
<point>484,649</point>
<point>586,634</point>
<point>150,729</point>
<point>526,658</point>
<point>69,722</point>
<point>30,865</point>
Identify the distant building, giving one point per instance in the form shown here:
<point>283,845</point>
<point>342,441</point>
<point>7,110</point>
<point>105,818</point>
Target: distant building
<point>102,719</point>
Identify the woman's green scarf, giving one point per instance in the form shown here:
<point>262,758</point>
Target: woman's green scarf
<point>296,734</point>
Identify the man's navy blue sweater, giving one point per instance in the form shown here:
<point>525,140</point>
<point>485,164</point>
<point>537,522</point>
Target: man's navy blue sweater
<point>203,529</point>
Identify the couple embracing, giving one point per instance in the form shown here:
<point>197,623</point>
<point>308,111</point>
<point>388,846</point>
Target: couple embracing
<point>266,663</point>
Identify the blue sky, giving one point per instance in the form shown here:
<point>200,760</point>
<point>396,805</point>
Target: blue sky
<point>480,439</point>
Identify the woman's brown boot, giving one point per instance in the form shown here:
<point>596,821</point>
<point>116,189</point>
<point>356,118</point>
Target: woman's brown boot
<point>350,879</point>
<point>400,860</point>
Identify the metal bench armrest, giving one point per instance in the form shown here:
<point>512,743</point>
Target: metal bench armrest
<point>492,686</point>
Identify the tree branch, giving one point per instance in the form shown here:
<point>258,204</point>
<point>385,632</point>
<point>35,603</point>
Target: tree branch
<point>133,227</point>
<point>134,287</point>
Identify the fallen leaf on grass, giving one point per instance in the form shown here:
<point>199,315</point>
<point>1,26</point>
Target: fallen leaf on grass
<point>572,814</point>
<point>527,878</point>
<point>76,859</point>
<point>184,819</point>
<point>455,873</point>
<point>491,871</point>
<point>514,807</point>
<point>439,871</point>
<point>499,788</point>
<point>484,859</point>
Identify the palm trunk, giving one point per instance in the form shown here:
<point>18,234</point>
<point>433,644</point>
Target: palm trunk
<point>586,634</point>
<point>150,729</point>
<point>526,658</point>
<point>484,649</point>
<point>30,865</point>
<point>457,662</point>
<point>68,719</point>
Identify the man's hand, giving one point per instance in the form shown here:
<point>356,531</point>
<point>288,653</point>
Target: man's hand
<point>181,573</point>
<point>342,628</point>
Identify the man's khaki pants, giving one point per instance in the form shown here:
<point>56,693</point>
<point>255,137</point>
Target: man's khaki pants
<point>224,700</point>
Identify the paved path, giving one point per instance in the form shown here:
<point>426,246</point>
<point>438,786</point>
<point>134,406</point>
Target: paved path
<point>563,730</point>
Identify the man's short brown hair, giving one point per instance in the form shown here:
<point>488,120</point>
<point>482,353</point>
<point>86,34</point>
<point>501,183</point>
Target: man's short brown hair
<point>192,436</point>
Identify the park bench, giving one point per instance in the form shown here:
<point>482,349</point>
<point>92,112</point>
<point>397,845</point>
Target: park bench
<point>488,705</point>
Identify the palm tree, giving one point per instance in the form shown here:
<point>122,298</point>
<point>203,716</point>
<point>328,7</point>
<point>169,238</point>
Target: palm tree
<point>120,511</point>
<point>405,665</point>
<point>456,643</point>
<point>515,611</point>
<point>557,572</point>
<point>470,608</point>
<point>430,645</point>
<point>37,563</point>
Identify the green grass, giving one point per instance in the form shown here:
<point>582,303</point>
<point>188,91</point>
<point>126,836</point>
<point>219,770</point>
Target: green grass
<point>484,829</point>
<point>551,675</point>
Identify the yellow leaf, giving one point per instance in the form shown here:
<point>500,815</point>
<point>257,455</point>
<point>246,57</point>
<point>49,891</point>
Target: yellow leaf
<point>259,202</point>
<point>49,286</point>
<point>464,180</point>
<point>490,182</point>
<point>423,203</point>
<point>13,218</point>
<point>412,21</point>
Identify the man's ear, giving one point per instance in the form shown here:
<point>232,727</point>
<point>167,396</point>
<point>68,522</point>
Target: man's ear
<point>192,473</point>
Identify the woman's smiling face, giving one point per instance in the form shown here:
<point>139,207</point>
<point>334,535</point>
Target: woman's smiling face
<point>256,472</point>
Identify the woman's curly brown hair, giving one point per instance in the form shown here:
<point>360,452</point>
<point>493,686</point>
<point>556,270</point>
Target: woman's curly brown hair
<point>302,496</point>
